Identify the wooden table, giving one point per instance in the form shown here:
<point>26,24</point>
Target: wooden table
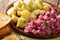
<point>5,3</point>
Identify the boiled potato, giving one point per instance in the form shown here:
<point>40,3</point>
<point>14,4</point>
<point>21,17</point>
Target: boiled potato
<point>11,11</point>
<point>37,12</point>
<point>24,7</point>
<point>29,9</point>
<point>14,18</point>
<point>46,6</point>
<point>18,13</point>
<point>26,14</point>
<point>36,2</point>
<point>28,2</point>
<point>40,1</point>
<point>21,22</point>
<point>33,16</point>
<point>18,9</point>
<point>17,4</point>
<point>22,3</point>
<point>38,5</point>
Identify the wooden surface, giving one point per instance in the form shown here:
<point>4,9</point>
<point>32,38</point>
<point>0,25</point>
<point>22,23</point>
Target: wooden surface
<point>5,3</point>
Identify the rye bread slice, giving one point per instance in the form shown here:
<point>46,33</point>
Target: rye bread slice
<point>4,20</point>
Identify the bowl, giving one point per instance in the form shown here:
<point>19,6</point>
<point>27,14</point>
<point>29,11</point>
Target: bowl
<point>21,31</point>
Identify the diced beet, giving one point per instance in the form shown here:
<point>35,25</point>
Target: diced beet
<point>58,29</point>
<point>54,32</point>
<point>58,17</point>
<point>47,14</point>
<point>37,31</point>
<point>37,22</point>
<point>34,31</point>
<point>42,33</point>
<point>46,17</point>
<point>41,17</point>
<point>53,19</point>
<point>27,29</point>
<point>48,23</point>
<point>52,10</point>
<point>39,28</point>
<point>48,31</point>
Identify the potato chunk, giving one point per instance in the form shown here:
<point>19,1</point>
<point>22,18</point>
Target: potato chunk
<point>18,13</point>
<point>37,12</point>
<point>46,6</point>
<point>14,18</point>
<point>33,16</point>
<point>17,4</point>
<point>28,2</point>
<point>26,14</point>
<point>18,8</point>
<point>21,22</point>
<point>37,4</point>
<point>40,1</point>
<point>11,11</point>
<point>24,7</point>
